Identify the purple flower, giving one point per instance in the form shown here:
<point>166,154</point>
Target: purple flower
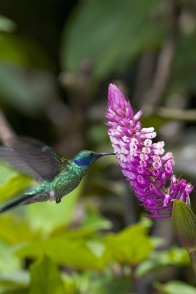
<point>149,172</point>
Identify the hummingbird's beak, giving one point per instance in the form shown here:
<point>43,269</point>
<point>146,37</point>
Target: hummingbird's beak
<point>109,153</point>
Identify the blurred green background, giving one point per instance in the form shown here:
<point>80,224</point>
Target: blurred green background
<point>57,59</point>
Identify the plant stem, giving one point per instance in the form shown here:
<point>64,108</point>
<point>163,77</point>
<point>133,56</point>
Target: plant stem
<point>192,255</point>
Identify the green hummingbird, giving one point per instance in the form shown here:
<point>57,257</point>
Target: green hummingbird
<point>57,176</point>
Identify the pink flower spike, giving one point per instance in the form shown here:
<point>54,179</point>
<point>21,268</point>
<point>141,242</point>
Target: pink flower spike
<point>143,163</point>
<point>117,101</point>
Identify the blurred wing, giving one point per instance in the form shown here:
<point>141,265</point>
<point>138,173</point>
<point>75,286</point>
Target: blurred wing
<point>8,155</point>
<point>33,158</point>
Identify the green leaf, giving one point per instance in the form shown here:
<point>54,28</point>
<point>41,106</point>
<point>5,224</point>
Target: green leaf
<point>178,256</point>
<point>14,290</point>
<point>18,283</point>
<point>175,287</point>
<point>11,182</point>
<point>63,250</point>
<point>125,30</point>
<point>48,215</point>
<point>107,282</point>
<point>20,278</point>
<point>131,245</point>
<point>20,50</point>
<point>120,285</point>
<point>69,283</point>
<point>94,221</point>
<point>97,247</point>
<point>14,229</point>
<point>184,224</point>
<point>45,278</point>
<point>8,262</point>
<point>160,259</point>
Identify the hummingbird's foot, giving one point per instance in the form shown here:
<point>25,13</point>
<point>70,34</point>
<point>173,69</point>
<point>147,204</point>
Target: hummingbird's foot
<point>58,200</point>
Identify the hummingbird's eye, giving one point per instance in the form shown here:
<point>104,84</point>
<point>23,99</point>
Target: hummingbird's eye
<point>91,154</point>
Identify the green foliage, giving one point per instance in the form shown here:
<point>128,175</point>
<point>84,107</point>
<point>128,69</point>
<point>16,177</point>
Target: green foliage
<point>21,51</point>
<point>105,283</point>
<point>175,287</point>
<point>63,251</point>
<point>45,278</point>
<point>15,282</point>
<point>8,262</point>
<point>84,248</point>
<point>113,39</point>
<point>160,259</point>
<point>130,246</point>
<point>14,230</point>
<point>53,215</point>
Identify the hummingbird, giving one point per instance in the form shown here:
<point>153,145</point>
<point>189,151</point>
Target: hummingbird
<point>56,175</point>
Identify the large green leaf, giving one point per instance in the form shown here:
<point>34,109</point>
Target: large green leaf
<point>45,278</point>
<point>110,33</point>
<point>131,245</point>
<point>63,251</point>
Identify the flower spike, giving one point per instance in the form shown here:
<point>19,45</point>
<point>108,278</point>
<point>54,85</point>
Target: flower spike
<point>142,161</point>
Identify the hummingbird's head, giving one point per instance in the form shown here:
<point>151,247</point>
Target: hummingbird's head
<point>85,157</point>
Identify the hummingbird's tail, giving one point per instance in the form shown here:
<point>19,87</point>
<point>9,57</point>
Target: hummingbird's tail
<point>16,203</point>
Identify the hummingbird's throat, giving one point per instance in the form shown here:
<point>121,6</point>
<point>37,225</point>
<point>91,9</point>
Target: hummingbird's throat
<point>80,162</point>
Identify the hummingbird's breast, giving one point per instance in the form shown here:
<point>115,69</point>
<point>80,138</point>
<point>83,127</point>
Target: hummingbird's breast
<point>65,183</point>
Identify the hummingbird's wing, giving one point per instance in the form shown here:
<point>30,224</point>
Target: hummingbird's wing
<point>33,158</point>
<point>10,156</point>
